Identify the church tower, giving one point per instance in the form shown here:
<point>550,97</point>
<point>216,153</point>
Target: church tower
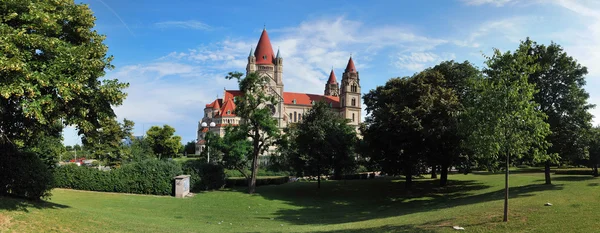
<point>331,87</point>
<point>350,94</point>
<point>264,62</point>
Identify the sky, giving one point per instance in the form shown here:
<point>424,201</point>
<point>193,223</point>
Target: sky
<point>175,54</point>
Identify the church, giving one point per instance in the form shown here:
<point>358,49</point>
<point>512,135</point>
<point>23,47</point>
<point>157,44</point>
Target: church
<point>344,99</point>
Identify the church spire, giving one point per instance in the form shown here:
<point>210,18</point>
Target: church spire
<point>264,51</point>
<point>350,67</point>
<point>332,79</point>
<point>251,52</point>
<point>277,53</point>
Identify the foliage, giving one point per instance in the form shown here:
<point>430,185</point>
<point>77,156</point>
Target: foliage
<point>594,148</point>
<point>325,143</point>
<point>48,147</point>
<point>234,149</point>
<point>204,176</point>
<point>417,119</point>
<point>24,174</point>
<point>163,142</point>
<point>139,150</point>
<point>258,123</point>
<point>106,142</point>
<point>504,117</point>
<point>190,148</point>
<point>51,61</point>
<point>260,181</point>
<point>145,177</point>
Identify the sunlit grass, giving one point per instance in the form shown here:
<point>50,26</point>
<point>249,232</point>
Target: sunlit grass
<point>471,201</point>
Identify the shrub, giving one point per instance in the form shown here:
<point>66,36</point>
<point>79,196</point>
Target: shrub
<point>145,177</point>
<point>204,176</point>
<point>24,174</point>
<point>372,175</point>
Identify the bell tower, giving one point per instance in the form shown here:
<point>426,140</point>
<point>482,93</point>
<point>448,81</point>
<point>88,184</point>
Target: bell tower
<point>350,95</point>
<point>331,87</point>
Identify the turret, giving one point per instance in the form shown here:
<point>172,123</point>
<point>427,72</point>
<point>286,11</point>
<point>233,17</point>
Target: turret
<point>331,87</point>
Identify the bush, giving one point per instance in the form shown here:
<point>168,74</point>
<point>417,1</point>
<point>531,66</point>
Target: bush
<point>260,181</point>
<point>145,177</point>
<point>24,174</point>
<point>204,176</point>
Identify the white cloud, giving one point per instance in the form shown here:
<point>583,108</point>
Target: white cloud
<point>416,61</point>
<point>189,24</point>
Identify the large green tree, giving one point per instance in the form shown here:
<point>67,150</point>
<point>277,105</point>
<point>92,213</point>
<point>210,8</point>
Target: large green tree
<point>190,148</point>
<point>412,121</point>
<point>559,80</point>
<point>594,148</point>
<point>325,142</point>
<point>254,107</point>
<point>233,150</point>
<point>163,141</point>
<point>106,143</point>
<point>51,68</point>
<point>505,122</point>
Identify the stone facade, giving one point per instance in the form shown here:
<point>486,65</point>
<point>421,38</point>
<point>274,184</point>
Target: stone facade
<point>292,106</point>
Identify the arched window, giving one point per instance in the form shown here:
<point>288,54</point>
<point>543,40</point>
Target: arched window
<point>352,117</point>
<point>290,116</point>
<point>295,117</point>
<point>353,102</point>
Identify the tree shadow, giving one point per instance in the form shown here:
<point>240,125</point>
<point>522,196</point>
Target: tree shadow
<point>361,200</point>
<point>573,178</point>
<point>17,204</point>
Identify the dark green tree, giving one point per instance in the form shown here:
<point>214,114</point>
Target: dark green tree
<point>504,121</point>
<point>325,142</point>
<point>52,63</point>
<point>163,141</point>
<point>559,80</point>
<point>594,149</point>
<point>190,148</point>
<point>106,143</point>
<point>254,107</point>
<point>232,151</point>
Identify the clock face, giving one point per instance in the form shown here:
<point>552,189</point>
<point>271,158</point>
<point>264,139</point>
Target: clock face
<point>270,106</point>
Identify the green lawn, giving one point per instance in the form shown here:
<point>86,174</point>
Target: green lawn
<point>472,201</point>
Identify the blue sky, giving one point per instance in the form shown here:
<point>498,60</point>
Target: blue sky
<point>175,54</point>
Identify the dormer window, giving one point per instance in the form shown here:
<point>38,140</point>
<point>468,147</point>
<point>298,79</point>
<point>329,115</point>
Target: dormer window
<point>294,101</point>
<point>228,111</point>
<point>312,102</point>
<point>264,57</point>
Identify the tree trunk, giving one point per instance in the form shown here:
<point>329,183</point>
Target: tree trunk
<point>319,177</point>
<point>433,174</point>
<point>444,175</point>
<point>252,181</point>
<point>547,172</point>
<point>506,189</point>
<point>408,175</point>
<point>595,170</point>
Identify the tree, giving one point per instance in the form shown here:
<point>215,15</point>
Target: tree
<point>253,106</point>
<point>325,141</point>
<point>190,148</point>
<point>234,149</point>
<point>106,143</point>
<point>163,142</point>
<point>559,81</point>
<point>504,120</point>
<point>52,61</point>
<point>140,150</point>
<point>416,118</point>
<point>442,125</point>
<point>594,149</point>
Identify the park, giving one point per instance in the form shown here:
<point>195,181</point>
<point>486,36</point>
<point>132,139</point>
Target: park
<point>505,142</point>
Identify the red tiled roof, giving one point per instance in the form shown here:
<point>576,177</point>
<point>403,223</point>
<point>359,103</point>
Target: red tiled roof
<point>201,142</point>
<point>229,106</point>
<point>205,129</point>
<point>264,51</point>
<point>230,94</point>
<point>306,99</point>
<point>331,79</point>
<point>350,67</point>
<point>214,105</point>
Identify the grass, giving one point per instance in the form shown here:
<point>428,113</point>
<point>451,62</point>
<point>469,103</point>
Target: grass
<point>472,201</point>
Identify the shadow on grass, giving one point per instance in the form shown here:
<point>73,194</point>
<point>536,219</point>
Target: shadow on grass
<point>361,200</point>
<point>17,204</point>
<point>573,178</point>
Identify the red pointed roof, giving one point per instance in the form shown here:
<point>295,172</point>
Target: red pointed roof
<point>331,79</point>
<point>228,108</point>
<point>264,51</point>
<point>214,105</point>
<point>350,67</point>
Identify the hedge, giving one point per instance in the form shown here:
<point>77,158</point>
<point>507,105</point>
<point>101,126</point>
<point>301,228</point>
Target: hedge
<point>204,176</point>
<point>260,181</point>
<point>145,177</point>
<point>24,174</point>
<point>574,172</point>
